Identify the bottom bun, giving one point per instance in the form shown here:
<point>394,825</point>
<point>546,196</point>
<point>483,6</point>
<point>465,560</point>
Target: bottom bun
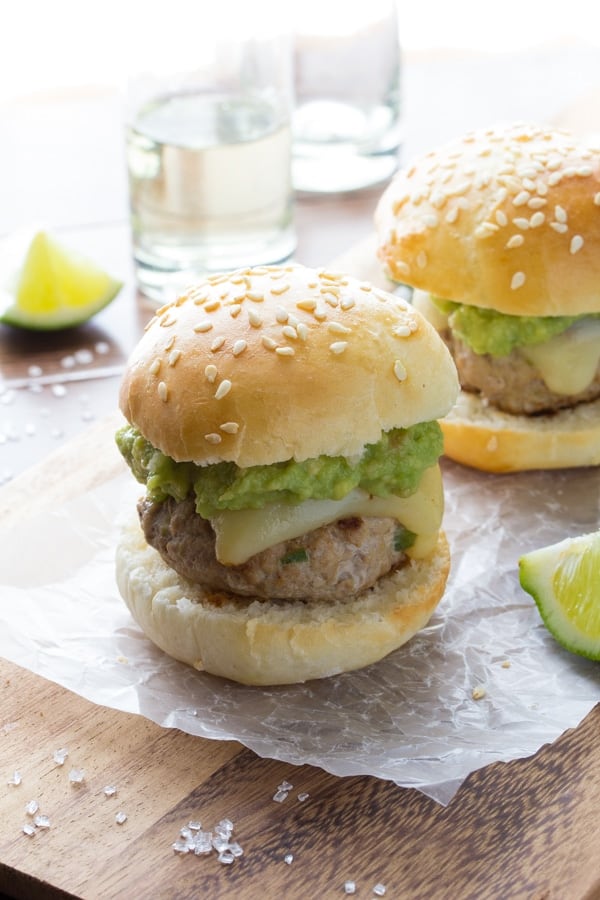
<point>264,642</point>
<point>481,436</point>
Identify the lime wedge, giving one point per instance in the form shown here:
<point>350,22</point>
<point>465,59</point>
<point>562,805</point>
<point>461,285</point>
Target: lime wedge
<point>564,581</point>
<point>54,288</point>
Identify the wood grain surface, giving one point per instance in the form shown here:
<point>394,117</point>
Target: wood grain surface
<point>526,829</point>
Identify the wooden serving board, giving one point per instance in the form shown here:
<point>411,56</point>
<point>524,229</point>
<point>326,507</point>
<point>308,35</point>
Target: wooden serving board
<point>526,829</point>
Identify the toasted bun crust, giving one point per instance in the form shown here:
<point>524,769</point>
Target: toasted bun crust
<point>278,363</point>
<point>507,219</point>
<point>260,642</point>
<point>485,438</point>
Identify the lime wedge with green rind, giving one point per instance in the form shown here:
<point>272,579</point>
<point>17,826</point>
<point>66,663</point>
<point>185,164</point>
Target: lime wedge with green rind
<point>564,581</point>
<point>55,287</point>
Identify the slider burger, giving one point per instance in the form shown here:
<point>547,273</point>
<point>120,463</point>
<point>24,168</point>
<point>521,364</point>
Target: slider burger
<point>283,422</point>
<point>499,233</point>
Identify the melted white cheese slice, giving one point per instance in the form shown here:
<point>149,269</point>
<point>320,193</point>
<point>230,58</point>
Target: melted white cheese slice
<point>241,534</point>
<point>569,361</point>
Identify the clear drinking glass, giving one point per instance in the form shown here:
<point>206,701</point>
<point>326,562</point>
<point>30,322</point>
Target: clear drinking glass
<point>347,123</point>
<point>209,144</point>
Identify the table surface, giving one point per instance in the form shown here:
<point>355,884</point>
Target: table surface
<point>522,829</point>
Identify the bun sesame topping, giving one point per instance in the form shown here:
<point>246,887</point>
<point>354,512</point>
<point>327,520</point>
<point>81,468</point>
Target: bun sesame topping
<point>505,218</point>
<point>319,363</point>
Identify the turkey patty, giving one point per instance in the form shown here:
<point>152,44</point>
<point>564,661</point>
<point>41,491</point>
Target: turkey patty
<point>329,563</point>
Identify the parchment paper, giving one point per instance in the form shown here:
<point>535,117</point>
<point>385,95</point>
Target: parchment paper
<point>411,718</point>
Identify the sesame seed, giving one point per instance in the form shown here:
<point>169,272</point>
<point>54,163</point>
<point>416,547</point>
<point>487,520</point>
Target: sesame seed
<point>421,259</point>
<point>485,229</point>
<point>155,367</point>
<point>339,328</point>
<point>451,217</point>
<point>597,199</point>
<point>536,202</point>
<point>576,243</point>
<point>256,296</point>
<point>269,343</point>
<point>365,286</point>
<point>290,332</point>
<point>230,427</point>
<point>212,305</point>
<point>501,218</point>
<point>347,303</point>
<point>234,311</point>
<point>280,289</point>
<point>338,347</point>
<point>555,179</point>
<point>282,315</point>
<point>170,343</point>
<point>330,289</point>
<point>163,392</point>
<point>308,305</point>
<point>213,438</point>
<point>399,370</point>
<point>217,343</point>
<point>521,198</point>
<point>537,219</point>
<point>584,171</point>
<point>560,214</point>
<point>254,318</point>
<point>558,226</point>
<point>517,240</point>
<point>302,330</point>
<point>203,326</point>
<point>211,373</point>
<point>239,347</point>
<point>284,351</point>
<point>523,224</point>
<point>431,220</point>
<point>329,276</point>
<point>223,389</point>
<point>517,281</point>
<point>174,356</point>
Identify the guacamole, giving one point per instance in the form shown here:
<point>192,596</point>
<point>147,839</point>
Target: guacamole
<point>498,334</point>
<point>394,465</point>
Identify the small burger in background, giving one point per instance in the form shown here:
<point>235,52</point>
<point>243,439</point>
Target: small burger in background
<point>284,424</point>
<point>499,234</point>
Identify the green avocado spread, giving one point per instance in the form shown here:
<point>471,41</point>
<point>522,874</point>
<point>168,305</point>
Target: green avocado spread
<point>498,334</point>
<point>394,465</point>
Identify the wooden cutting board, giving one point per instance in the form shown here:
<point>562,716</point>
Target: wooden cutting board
<point>526,829</point>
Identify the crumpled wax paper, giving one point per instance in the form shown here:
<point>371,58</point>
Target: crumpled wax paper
<point>410,718</point>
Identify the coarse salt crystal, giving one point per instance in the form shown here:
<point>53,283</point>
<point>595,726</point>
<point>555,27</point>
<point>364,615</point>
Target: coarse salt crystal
<point>349,887</point>
<point>29,830</point>
<point>76,776</point>
<point>120,818</point>
<point>110,790</point>
<point>32,807</point>
<point>42,821</point>
<point>16,779</point>
<point>59,756</point>
<point>304,795</point>
<point>288,858</point>
<point>379,890</point>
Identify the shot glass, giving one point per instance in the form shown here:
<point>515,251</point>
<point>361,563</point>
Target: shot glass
<point>347,124</point>
<point>208,145</point>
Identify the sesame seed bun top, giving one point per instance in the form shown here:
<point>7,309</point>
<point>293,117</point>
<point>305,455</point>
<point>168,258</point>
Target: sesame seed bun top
<point>284,362</point>
<point>507,219</point>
